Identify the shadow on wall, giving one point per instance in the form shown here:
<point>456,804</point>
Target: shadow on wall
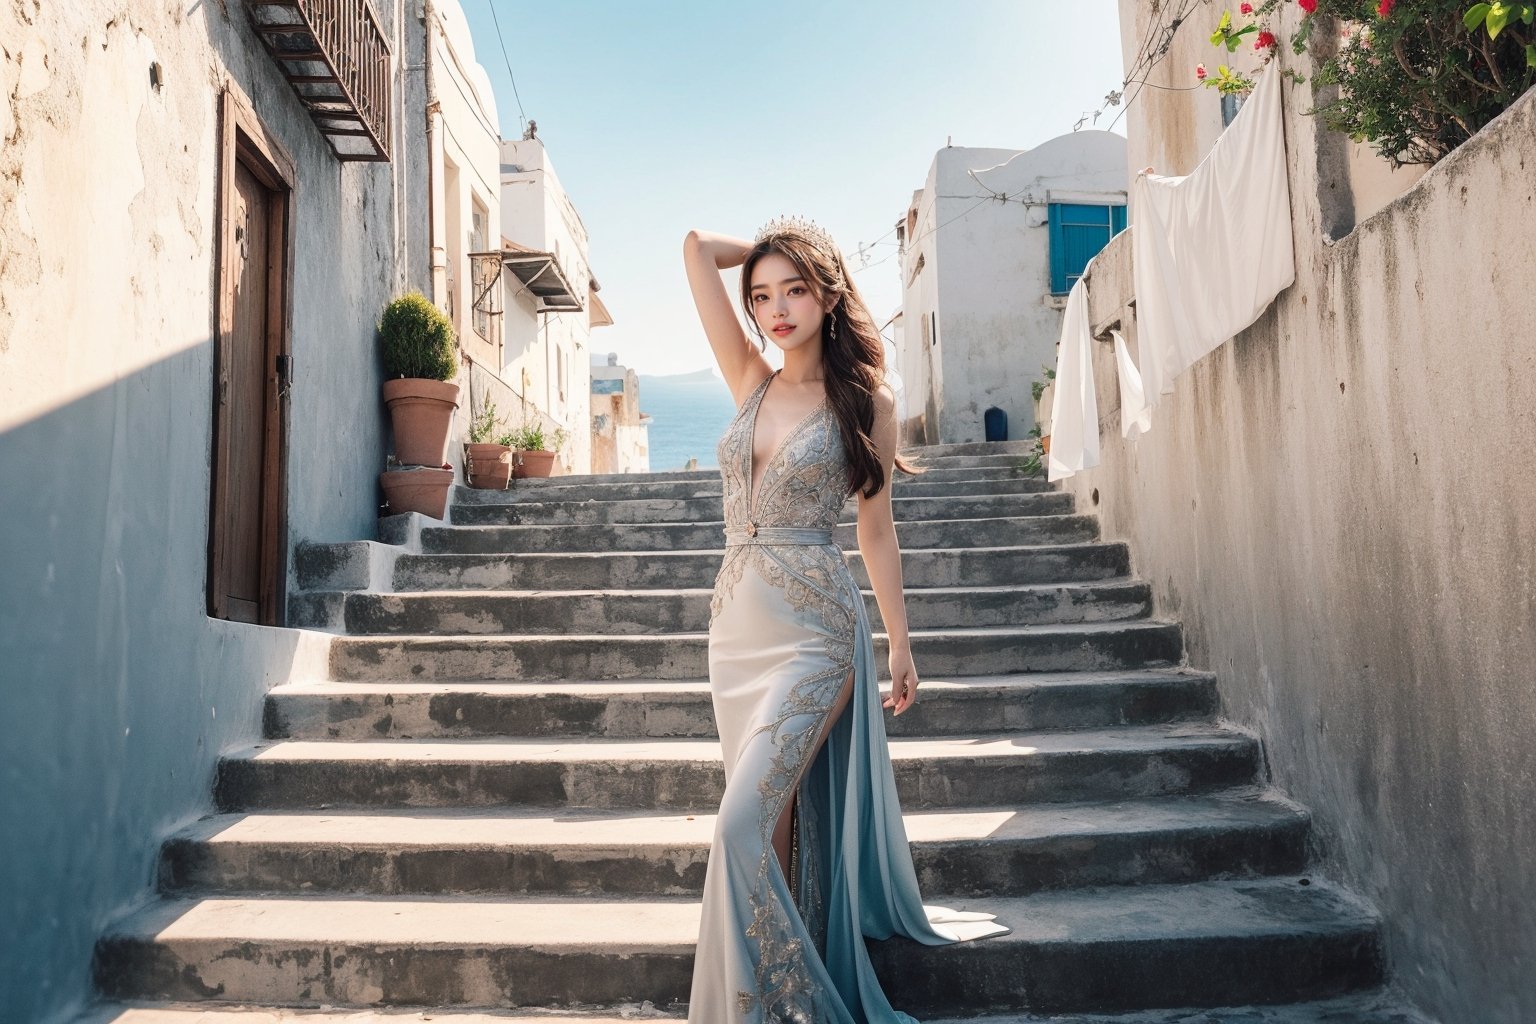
<point>119,692</point>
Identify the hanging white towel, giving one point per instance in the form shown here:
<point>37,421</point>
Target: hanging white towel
<point>1212,248</point>
<point>1075,407</point>
<point>1135,417</point>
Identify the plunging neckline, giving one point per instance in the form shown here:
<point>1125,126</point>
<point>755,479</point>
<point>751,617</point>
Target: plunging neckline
<point>753,492</point>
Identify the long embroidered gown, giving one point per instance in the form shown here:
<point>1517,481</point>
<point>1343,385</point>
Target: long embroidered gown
<point>787,624</point>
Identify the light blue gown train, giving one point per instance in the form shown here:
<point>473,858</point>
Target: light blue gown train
<point>787,624</point>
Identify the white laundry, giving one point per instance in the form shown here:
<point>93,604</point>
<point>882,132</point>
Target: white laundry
<point>1074,407</point>
<point>1135,416</point>
<point>1212,248</point>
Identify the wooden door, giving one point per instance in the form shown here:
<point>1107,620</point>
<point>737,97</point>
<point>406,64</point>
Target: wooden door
<point>247,563</point>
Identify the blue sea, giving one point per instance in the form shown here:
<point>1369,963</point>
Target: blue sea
<point>689,412</point>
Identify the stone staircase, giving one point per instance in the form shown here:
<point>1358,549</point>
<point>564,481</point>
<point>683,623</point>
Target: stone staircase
<point>503,795</point>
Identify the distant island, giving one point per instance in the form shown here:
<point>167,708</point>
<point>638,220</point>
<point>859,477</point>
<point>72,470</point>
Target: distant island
<point>706,374</point>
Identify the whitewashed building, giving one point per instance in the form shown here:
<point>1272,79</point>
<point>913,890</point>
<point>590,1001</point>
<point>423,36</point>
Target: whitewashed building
<point>551,299</point>
<point>620,431</point>
<point>990,246</point>
<point>463,200</point>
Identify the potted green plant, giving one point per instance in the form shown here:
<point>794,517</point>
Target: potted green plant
<point>1044,391</point>
<point>535,451</point>
<point>420,354</point>
<point>488,455</point>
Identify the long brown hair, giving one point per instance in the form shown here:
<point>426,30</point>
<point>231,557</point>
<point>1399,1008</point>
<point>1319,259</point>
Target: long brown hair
<point>853,364</point>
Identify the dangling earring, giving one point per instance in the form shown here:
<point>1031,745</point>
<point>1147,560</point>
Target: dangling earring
<point>833,329</point>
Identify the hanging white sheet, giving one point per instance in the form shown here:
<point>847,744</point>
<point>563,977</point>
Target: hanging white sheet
<point>1135,417</point>
<point>1075,406</point>
<point>1212,248</point>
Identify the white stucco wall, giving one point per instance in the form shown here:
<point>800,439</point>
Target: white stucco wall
<point>118,693</point>
<point>468,149</point>
<point>1337,506</point>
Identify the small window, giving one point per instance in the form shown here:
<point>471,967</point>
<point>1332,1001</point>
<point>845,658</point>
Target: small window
<point>477,243</point>
<point>1077,233</point>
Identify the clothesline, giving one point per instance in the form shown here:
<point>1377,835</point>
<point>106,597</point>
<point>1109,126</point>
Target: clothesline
<point>1211,250</point>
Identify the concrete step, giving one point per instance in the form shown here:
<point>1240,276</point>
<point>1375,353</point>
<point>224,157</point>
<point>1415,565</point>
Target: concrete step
<point>1373,1006</point>
<point>1111,948</point>
<point>680,483</point>
<point>686,775</point>
<point>456,613</point>
<point>1234,833</point>
<point>1087,647</point>
<point>1019,449</point>
<point>1003,531</point>
<point>709,510</point>
<point>981,480</point>
<point>630,570</point>
<point>661,709</point>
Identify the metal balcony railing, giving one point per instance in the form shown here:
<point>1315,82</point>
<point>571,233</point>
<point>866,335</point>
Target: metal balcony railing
<point>336,56</point>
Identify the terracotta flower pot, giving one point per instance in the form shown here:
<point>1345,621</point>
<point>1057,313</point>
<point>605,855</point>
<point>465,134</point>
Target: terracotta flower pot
<point>489,466</point>
<point>417,490</point>
<point>1045,445</point>
<point>422,411</point>
<point>534,462</point>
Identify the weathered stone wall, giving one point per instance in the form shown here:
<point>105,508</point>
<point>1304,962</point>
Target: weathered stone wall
<point>1337,504</point>
<point>117,692</point>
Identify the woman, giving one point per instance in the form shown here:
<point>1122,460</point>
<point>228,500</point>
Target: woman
<point>809,853</point>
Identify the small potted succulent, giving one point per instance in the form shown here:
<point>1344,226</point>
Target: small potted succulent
<point>535,452</point>
<point>488,455</point>
<point>420,353</point>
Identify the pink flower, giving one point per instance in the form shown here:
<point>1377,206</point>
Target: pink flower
<point>1310,6</point>
<point>1200,72</point>
<point>1267,38</point>
<point>1385,8</point>
<point>1245,8</point>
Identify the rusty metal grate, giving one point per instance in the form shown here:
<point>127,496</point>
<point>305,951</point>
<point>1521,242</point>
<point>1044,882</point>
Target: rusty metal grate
<point>336,56</point>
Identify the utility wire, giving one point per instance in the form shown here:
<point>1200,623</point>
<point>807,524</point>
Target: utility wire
<point>522,120</point>
<point>1153,48</point>
<point>1154,58</point>
<point>1147,57</point>
<point>925,234</point>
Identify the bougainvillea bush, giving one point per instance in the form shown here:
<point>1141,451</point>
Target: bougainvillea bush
<point>1416,78</point>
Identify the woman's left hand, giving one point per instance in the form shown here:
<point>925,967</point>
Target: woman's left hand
<point>903,681</point>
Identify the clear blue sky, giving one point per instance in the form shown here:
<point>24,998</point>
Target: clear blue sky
<point>660,117</point>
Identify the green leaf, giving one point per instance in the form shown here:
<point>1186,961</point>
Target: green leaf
<point>1475,15</point>
<point>1530,55</point>
<point>1527,13</point>
<point>1299,40</point>
<point>1498,17</point>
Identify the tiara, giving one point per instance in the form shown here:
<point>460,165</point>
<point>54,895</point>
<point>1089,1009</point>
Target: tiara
<point>799,226</point>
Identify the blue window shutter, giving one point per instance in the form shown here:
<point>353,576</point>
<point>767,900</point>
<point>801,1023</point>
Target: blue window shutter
<point>1077,233</point>
<point>1058,252</point>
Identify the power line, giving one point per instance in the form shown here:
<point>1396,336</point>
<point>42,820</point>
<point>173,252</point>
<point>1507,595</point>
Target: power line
<point>930,231</point>
<point>1152,49</point>
<point>1161,52</point>
<point>522,120</point>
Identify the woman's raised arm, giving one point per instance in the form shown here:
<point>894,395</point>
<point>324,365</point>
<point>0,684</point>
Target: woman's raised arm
<point>705,254</point>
